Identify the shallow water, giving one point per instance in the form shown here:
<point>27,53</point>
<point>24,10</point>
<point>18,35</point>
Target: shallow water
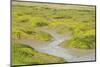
<point>53,48</point>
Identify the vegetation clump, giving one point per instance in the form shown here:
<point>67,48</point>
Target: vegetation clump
<point>29,21</point>
<point>23,55</point>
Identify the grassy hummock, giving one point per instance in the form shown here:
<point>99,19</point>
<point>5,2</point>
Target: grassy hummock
<point>23,55</point>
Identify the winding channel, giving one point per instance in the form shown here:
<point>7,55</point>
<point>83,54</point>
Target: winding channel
<point>53,48</point>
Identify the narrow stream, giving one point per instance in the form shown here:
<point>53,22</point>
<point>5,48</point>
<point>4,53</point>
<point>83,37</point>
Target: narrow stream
<point>53,48</point>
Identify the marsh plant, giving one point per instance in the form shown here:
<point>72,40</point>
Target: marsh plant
<point>42,32</point>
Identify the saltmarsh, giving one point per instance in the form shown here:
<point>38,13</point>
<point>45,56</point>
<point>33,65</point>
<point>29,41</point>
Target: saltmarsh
<point>23,55</point>
<point>29,20</point>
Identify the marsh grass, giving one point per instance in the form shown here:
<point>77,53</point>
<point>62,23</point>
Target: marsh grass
<point>26,19</point>
<point>23,55</point>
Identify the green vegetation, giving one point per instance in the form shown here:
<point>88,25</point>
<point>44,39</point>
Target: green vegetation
<point>25,24</point>
<point>28,22</point>
<point>85,42</point>
<point>23,54</point>
<point>83,33</point>
<point>31,34</point>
